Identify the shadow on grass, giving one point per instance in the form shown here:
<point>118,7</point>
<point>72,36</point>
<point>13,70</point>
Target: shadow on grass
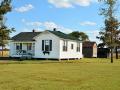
<point>8,60</point>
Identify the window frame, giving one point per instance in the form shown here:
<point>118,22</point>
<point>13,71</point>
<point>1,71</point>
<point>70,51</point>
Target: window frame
<point>47,44</point>
<point>72,46</point>
<point>78,47</point>
<point>29,46</point>
<point>65,45</point>
<point>18,46</point>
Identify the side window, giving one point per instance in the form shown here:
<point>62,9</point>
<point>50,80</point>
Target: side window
<point>78,47</point>
<point>47,48</point>
<point>72,46</point>
<point>65,45</point>
<point>29,46</point>
<point>19,46</point>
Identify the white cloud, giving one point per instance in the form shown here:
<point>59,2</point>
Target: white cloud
<point>52,25</point>
<point>48,25</point>
<point>25,30</point>
<point>33,24</point>
<point>70,3</point>
<point>61,3</point>
<point>37,23</point>
<point>66,30</point>
<point>25,8</point>
<point>88,23</point>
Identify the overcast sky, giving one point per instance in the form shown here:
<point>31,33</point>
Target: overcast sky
<point>65,15</point>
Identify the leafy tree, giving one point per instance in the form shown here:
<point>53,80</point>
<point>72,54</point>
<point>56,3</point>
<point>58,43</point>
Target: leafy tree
<point>81,35</point>
<point>5,7</point>
<point>110,31</point>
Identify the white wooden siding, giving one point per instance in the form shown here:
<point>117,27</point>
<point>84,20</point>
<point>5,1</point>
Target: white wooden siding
<point>70,53</point>
<point>55,53</point>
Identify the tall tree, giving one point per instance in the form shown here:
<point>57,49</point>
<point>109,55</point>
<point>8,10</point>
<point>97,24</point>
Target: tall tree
<point>5,7</point>
<point>109,33</point>
<point>81,35</point>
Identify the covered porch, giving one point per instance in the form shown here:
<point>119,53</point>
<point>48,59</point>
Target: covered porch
<point>24,49</point>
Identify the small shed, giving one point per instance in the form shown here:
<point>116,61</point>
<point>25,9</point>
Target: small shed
<point>103,53</point>
<point>89,49</point>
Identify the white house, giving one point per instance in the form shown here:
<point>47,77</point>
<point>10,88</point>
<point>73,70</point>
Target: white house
<point>46,45</point>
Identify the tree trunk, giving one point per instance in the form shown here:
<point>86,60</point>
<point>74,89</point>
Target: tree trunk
<point>116,51</point>
<point>2,50</point>
<point>111,55</point>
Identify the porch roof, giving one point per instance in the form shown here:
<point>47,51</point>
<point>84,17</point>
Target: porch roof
<point>25,36</point>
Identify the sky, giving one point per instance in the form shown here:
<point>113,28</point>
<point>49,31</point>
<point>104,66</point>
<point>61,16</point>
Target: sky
<point>65,15</point>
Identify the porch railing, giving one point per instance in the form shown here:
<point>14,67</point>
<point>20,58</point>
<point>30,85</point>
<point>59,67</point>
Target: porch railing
<point>24,52</point>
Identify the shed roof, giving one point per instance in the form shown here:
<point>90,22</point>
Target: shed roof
<point>88,44</point>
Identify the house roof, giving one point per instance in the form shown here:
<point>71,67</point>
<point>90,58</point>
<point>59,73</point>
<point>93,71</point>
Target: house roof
<point>25,36</point>
<point>63,35</point>
<point>88,44</point>
<point>29,36</point>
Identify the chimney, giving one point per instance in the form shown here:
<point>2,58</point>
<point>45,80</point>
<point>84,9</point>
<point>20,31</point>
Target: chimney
<point>33,30</point>
<point>54,29</point>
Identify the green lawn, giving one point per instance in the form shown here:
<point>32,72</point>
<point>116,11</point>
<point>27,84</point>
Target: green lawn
<point>85,74</point>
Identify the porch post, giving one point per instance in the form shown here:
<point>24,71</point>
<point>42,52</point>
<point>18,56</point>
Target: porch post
<point>59,59</point>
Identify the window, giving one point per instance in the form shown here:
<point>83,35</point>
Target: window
<point>72,46</point>
<point>29,46</point>
<point>65,44</point>
<point>46,45</point>
<point>78,47</point>
<point>19,46</point>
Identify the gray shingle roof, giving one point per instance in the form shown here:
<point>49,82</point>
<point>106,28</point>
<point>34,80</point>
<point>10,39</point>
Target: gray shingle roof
<point>25,36</point>
<point>63,35</point>
<point>28,36</point>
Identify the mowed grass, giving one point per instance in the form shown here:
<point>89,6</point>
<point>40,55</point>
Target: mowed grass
<point>85,74</point>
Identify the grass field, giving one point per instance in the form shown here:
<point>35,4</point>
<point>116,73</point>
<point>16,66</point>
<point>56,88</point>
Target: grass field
<point>85,74</point>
